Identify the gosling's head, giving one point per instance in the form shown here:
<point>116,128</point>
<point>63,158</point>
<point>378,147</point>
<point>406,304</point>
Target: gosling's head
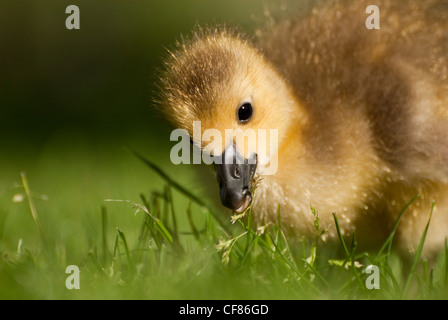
<point>223,81</point>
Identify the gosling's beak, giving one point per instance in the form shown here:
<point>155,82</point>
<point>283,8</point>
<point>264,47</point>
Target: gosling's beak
<point>235,175</point>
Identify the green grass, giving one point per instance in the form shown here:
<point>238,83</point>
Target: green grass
<point>155,237</point>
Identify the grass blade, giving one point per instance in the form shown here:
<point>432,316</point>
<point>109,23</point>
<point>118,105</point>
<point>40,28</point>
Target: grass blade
<point>31,205</point>
<point>106,253</point>
<point>446,261</point>
<point>33,210</point>
<point>341,239</point>
<point>418,253</point>
<point>125,243</point>
<point>175,232</point>
<point>388,243</point>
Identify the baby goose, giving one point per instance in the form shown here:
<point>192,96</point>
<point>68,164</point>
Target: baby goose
<point>362,116</point>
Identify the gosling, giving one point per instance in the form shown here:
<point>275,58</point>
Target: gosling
<point>361,116</point>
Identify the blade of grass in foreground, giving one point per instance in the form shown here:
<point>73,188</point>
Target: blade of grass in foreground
<point>341,239</point>
<point>106,253</point>
<point>30,200</point>
<point>388,243</point>
<point>125,243</point>
<point>33,209</point>
<point>354,245</point>
<point>418,253</point>
<point>170,200</point>
<point>446,261</point>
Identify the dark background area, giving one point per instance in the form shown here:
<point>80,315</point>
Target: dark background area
<point>98,78</point>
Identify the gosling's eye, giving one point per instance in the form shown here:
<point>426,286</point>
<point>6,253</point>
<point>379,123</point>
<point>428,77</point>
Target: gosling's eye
<point>245,112</point>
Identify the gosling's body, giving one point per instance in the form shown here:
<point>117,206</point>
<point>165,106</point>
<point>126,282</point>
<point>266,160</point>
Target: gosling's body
<point>362,114</point>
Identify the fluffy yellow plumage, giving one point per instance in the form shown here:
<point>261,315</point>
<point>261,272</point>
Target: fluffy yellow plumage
<point>362,115</point>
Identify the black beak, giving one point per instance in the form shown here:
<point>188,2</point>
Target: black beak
<point>235,175</point>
